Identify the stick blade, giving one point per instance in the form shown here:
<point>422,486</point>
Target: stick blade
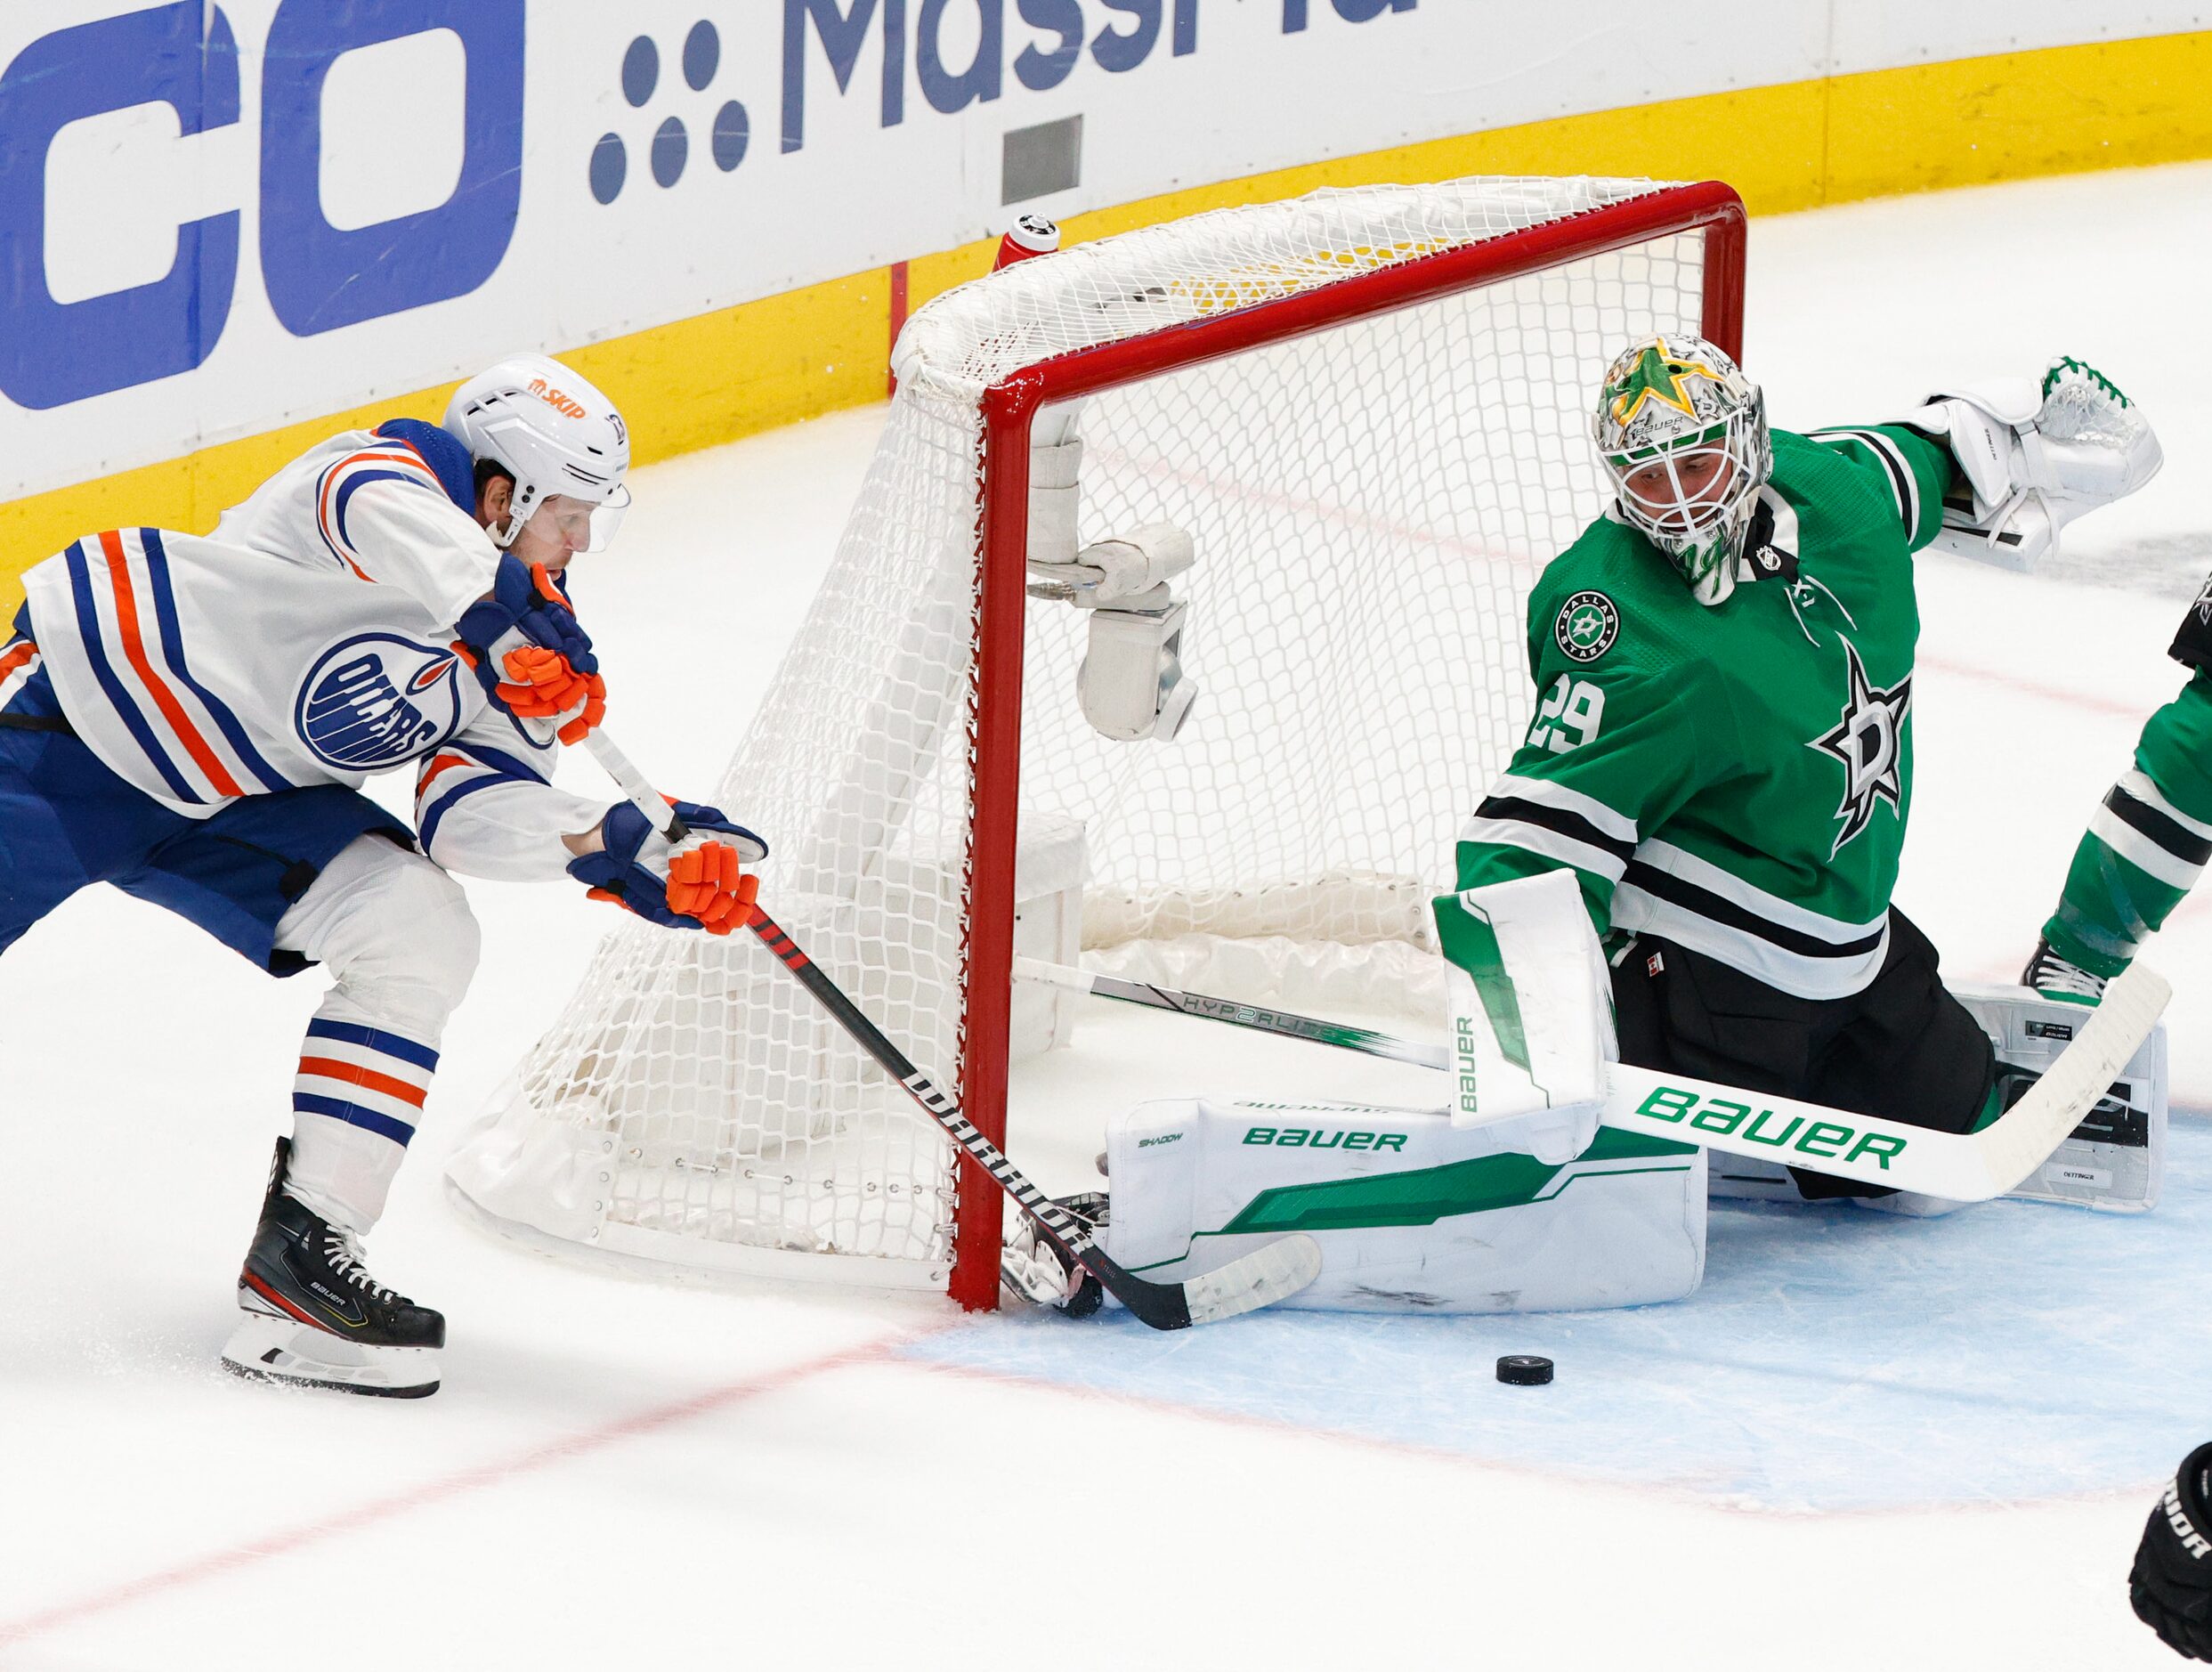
<point>2032,1128</point>
<point>1259,1278</point>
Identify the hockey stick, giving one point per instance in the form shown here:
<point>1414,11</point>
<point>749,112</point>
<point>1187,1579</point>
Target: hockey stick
<point>1258,1279</point>
<point>1959,1167</point>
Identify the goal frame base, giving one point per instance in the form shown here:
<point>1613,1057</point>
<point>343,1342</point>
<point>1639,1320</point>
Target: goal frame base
<point>666,1257</point>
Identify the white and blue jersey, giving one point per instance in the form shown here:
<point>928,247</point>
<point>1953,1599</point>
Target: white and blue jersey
<point>309,640</point>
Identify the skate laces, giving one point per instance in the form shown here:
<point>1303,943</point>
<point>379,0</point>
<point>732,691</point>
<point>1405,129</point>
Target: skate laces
<point>345,1259</point>
<point>2053,974</point>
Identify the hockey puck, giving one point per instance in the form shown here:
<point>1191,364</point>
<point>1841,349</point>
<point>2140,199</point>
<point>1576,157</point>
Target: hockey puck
<point>1524,1369</point>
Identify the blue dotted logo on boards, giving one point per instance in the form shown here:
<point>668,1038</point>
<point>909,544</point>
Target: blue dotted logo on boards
<point>375,700</point>
<point>728,136</point>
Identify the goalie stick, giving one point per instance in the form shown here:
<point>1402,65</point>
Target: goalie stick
<point>1256,1279</point>
<point>1959,1167</point>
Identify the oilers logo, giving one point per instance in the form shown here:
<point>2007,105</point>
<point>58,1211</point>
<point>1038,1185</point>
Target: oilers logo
<point>376,700</point>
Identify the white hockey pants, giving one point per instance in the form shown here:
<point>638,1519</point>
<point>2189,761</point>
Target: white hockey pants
<point>401,944</point>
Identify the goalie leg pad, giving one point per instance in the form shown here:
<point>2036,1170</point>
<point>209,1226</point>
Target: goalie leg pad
<point>2115,1161</point>
<point>1412,1215</point>
<point>1532,1018</point>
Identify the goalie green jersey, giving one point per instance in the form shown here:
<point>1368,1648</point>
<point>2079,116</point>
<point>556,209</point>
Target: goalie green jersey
<point>1734,778</point>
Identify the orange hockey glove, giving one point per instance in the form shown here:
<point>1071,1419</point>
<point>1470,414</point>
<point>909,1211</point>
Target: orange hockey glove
<point>709,882</point>
<point>527,630</point>
<point>541,684</point>
<point>700,884</point>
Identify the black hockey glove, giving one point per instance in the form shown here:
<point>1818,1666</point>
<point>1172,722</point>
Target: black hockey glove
<point>2171,1583</point>
<point>2192,640</point>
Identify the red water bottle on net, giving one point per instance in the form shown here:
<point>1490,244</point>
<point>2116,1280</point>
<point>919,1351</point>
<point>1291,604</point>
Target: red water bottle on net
<point>1032,235</point>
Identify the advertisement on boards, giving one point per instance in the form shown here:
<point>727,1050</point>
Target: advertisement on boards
<point>219,216</point>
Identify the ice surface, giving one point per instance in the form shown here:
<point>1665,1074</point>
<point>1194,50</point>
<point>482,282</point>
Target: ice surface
<point>1865,1443</point>
<point>1835,1359</point>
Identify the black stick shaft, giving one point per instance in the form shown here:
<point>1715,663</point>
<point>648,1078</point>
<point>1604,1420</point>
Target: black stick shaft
<point>1072,1239</point>
<point>1162,1305</point>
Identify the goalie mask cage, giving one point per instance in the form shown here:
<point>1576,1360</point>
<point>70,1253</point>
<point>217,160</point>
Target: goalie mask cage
<point>1369,408</point>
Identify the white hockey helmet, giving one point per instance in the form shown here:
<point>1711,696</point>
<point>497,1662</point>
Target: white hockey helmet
<point>553,433</point>
<point>1683,436</point>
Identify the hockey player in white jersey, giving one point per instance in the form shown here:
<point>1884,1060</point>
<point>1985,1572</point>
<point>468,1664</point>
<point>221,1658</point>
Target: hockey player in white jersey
<point>189,719</point>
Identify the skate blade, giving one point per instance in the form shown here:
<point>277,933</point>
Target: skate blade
<point>265,1349</point>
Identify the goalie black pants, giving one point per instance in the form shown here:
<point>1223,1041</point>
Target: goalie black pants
<point>1902,1047</point>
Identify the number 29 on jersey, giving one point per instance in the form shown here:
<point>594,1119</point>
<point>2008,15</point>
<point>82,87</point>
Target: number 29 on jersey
<point>1572,711</point>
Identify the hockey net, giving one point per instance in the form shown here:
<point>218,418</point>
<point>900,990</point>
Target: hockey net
<point>1369,410</point>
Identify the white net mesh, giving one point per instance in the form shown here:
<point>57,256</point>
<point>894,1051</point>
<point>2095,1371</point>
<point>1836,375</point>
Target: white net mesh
<point>1370,504</point>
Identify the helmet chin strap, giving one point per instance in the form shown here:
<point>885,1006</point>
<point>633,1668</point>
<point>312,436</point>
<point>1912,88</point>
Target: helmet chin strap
<point>517,515</point>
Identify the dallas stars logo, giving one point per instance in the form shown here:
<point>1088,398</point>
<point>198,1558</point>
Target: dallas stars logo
<point>1658,376</point>
<point>1867,742</point>
<point>1587,625</point>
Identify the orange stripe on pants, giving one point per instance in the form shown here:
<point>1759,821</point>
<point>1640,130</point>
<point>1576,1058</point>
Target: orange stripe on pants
<point>367,1079</point>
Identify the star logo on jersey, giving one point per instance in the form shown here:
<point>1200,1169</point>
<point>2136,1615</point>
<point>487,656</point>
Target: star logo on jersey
<point>1658,376</point>
<point>1869,742</point>
<point>1587,625</point>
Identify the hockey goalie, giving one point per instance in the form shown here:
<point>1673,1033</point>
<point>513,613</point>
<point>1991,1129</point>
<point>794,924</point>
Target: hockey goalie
<point>1687,865</point>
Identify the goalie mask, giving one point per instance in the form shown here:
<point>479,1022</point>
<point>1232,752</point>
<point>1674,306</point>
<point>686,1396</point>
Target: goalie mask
<point>1683,436</point>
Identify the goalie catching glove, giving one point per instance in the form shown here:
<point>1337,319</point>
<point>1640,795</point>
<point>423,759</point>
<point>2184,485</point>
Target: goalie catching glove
<point>2032,458</point>
<point>527,631</point>
<point>697,883</point>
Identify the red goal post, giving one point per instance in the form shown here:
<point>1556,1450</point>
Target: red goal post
<point>1009,408</point>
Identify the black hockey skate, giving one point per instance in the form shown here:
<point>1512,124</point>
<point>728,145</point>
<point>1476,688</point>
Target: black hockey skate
<point>314,1317</point>
<point>2056,978</point>
<point>1030,1268</point>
